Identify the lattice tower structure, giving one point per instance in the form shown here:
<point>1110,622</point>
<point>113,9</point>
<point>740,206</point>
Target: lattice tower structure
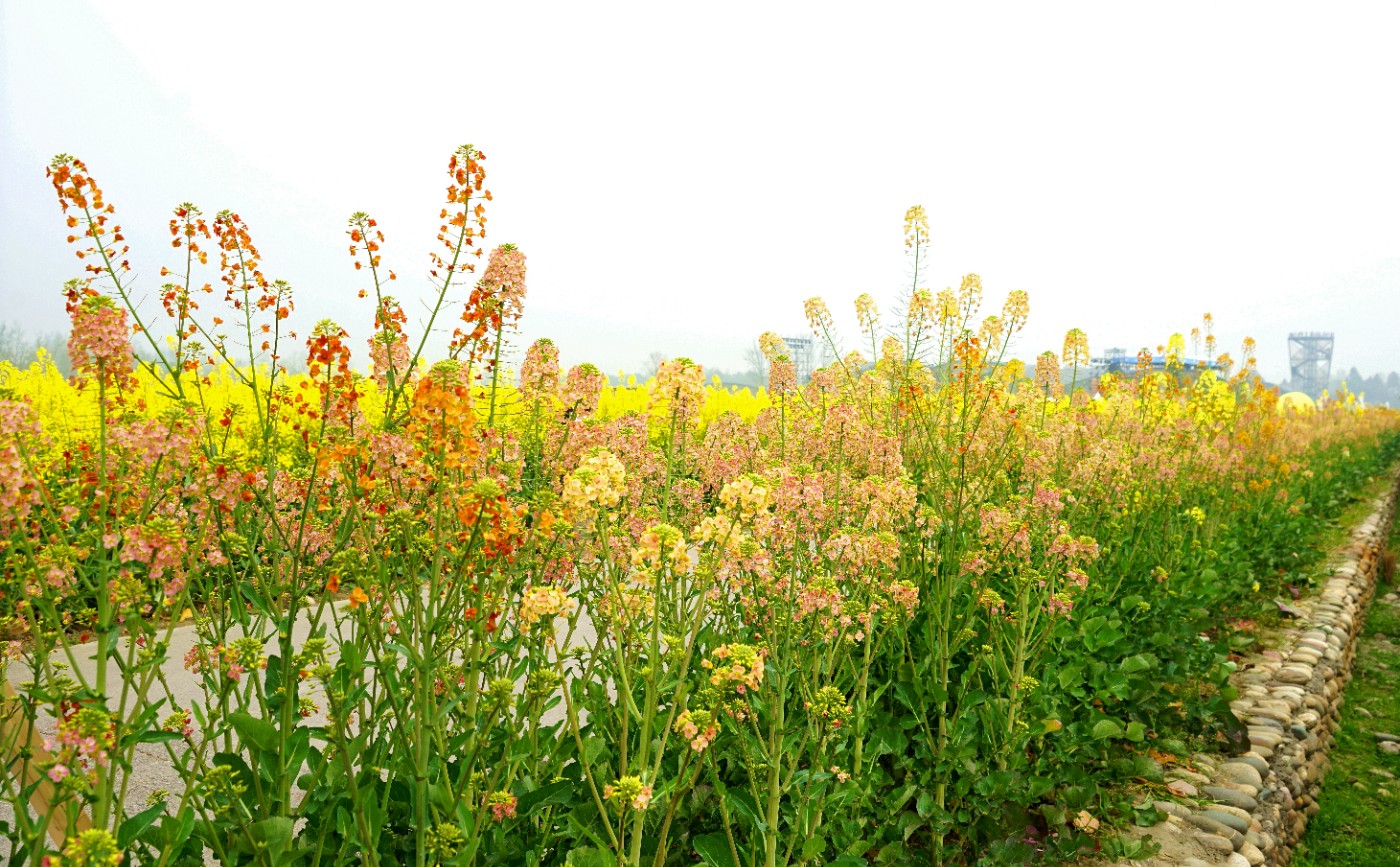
<point>803,353</point>
<point>1310,360</point>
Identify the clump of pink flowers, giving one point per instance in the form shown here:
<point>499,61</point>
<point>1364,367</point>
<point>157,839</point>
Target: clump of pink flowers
<point>699,727</point>
<point>99,344</point>
<point>505,274</point>
<point>18,492</point>
<point>539,372</point>
<point>629,793</point>
<point>502,805</point>
<point>81,745</point>
<point>582,389</point>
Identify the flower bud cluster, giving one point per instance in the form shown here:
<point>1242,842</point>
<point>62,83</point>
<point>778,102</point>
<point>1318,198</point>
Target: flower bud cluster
<point>599,482</point>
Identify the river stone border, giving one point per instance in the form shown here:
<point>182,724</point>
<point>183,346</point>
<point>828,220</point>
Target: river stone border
<point>1253,809</point>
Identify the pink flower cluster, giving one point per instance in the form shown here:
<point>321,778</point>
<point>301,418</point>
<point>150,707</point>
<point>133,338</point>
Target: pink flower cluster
<point>100,340</point>
<point>505,274</point>
<point>680,387</point>
<point>18,492</point>
<point>159,543</point>
<point>388,350</point>
<point>582,389</point>
<point>81,745</point>
<point>539,373</point>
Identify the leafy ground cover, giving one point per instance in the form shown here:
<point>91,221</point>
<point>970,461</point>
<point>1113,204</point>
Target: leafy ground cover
<point>1359,823</point>
<point>929,606</point>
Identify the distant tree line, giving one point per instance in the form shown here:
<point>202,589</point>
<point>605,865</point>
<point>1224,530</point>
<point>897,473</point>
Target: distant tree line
<point>22,349</point>
<point>1378,389</point>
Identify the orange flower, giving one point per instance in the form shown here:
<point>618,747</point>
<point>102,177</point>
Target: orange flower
<point>333,584</point>
<point>358,597</point>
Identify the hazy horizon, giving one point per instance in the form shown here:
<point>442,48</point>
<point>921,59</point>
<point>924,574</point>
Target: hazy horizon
<point>681,182</point>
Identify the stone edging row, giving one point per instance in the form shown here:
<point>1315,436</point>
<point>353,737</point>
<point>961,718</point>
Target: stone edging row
<point>1252,809</point>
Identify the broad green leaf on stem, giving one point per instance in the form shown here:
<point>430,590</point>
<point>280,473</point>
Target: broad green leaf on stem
<point>258,732</point>
<point>276,835</point>
<point>925,804</point>
<point>587,856</point>
<point>1106,728</point>
<point>713,849</point>
<point>132,827</point>
<point>1138,662</point>
<point>554,793</point>
<point>743,803</point>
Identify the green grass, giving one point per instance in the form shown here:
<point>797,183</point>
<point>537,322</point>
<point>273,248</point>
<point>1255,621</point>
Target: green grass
<point>1358,825</point>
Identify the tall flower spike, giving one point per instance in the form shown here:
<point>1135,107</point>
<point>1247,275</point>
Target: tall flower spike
<point>1047,375</point>
<point>947,304</point>
<point>388,348</point>
<point>993,330</point>
<point>1076,348</point>
<point>1176,352</point>
<point>78,191</point>
<point>772,346</point>
<point>680,385</point>
<point>539,372</point>
<point>187,226</point>
<point>817,315</point>
<point>328,368</point>
<point>915,226</point>
<point>1016,310</point>
<point>867,314</point>
<point>365,241</point>
<point>98,345</point>
<point>497,300</point>
<point>782,376</point>
<point>464,222</point>
<point>923,310</point>
<point>583,388</point>
<point>970,295</point>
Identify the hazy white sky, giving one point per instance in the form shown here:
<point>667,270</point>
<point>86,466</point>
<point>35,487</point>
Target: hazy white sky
<point>681,177</point>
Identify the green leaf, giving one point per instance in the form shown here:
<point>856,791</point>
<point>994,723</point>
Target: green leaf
<point>888,739</point>
<point>1145,767</point>
<point>241,772</point>
<point>258,732</point>
<point>132,827</point>
<point>276,834</point>
<point>1135,731</point>
<point>584,828</point>
<point>713,849</point>
<point>925,804</point>
<point>587,856</point>
<point>554,793</point>
<point>744,804</point>
<point>1138,662</point>
<point>593,749</point>
<point>1106,728</point>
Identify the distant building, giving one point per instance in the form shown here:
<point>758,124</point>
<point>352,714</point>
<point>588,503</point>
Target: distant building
<point>1310,360</point>
<point>802,351</point>
<point>1122,363</point>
